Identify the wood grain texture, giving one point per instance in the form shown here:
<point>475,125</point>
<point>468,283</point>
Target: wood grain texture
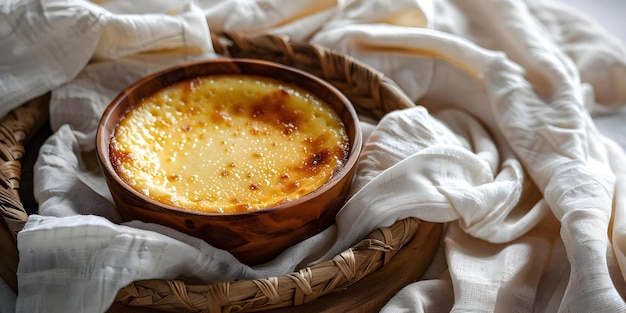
<point>252,237</point>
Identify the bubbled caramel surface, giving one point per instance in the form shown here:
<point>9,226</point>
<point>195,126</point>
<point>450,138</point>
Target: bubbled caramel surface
<point>229,143</point>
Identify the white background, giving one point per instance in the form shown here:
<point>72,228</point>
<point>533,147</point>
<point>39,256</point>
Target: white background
<point>609,13</point>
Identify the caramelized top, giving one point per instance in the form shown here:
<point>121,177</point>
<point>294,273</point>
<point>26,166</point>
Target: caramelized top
<point>229,143</point>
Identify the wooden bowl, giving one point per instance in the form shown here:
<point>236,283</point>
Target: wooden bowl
<point>253,237</point>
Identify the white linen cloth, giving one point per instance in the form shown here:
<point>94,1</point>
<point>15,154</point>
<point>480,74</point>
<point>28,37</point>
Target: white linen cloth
<point>502,149</point>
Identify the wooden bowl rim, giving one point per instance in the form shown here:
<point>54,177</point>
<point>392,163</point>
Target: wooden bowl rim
<point>103,139</point>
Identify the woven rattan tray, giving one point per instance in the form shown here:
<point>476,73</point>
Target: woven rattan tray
<point>361,278</point>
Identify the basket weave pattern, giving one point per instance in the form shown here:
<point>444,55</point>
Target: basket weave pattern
<point>15,129</point>
<point>293,289</point>
<point>370,91</point>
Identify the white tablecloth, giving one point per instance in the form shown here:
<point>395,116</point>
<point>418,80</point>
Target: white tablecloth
<point>467,265</point>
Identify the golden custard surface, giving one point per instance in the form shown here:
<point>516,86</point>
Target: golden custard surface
<point>229,143</point>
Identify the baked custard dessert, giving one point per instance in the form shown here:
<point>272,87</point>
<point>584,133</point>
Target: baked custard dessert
<point>229,144</point>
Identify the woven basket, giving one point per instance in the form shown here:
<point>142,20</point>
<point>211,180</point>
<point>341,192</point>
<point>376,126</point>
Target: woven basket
<point>370,91</point>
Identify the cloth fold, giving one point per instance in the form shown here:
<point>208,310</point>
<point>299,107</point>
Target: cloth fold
<point>502,146</point>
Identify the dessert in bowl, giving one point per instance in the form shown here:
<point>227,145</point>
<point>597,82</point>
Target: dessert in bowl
<point>248,155</point>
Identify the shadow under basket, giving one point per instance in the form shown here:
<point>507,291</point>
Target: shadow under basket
<point>360,279</point>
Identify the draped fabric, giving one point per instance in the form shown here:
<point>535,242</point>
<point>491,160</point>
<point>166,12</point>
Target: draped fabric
<point>502,147</point>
